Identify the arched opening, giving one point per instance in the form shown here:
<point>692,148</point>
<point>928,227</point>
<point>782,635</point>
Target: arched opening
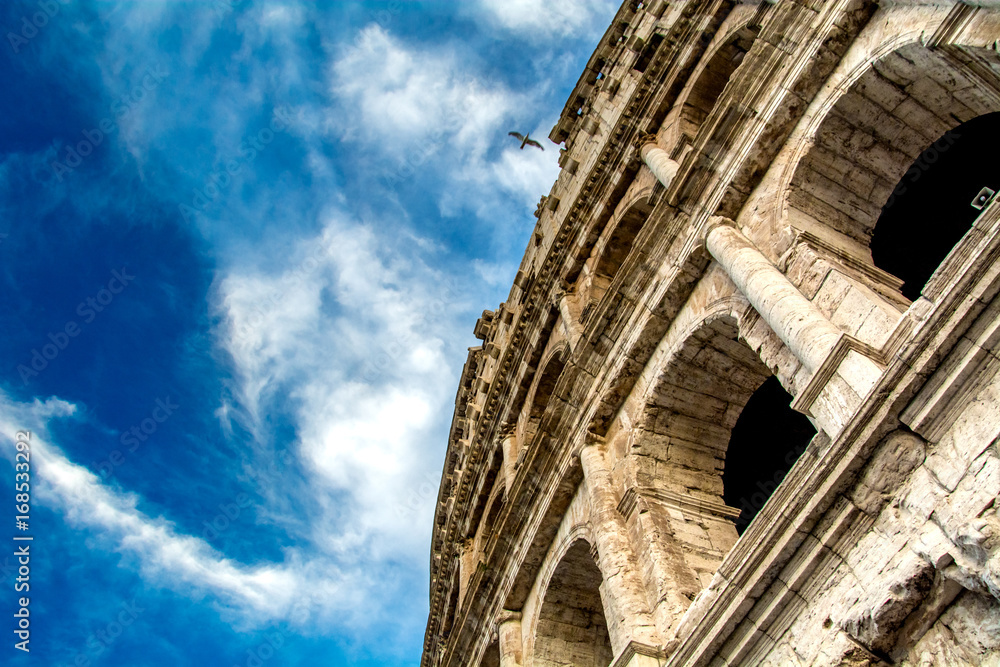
<point>875,139</point>
<point>685,432</point>
<point>712,81</point>
<point>451,610</point>
<point>766,441</point>
<point>929,210</point>
<point>571,628</point>
<point>543,393</point>
<point>689,417</point>
<point>492,656</point>
<point>616,249</point>
<point>487,529</point>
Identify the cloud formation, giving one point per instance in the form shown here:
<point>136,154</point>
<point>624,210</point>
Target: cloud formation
<point>541,19</point>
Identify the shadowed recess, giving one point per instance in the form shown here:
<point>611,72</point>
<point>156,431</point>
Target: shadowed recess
<point>767,440</point>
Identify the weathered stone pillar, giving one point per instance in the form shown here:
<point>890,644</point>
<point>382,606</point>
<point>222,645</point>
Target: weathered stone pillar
<point>467,564</point>
<point>627,611</point>
<point>509,636</point>
<point>508,445</point>
<point>795,319</point>
<point>570,312</point>
<point>659,162</point>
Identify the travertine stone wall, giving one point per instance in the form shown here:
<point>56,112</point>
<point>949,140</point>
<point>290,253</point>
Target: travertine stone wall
<point>723,169</point>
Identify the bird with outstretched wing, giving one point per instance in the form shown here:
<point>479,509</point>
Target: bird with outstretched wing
<point>526,140</point>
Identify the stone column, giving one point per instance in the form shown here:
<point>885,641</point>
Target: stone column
<point>509,636</point>
<point>795,319</point>
<point>624,596</point>
<point>570,313</point>
<point>659,162</point>
<point>467,564</point>
<point>508,445</point>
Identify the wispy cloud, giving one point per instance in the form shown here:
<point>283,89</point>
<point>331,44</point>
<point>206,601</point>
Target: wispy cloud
<point>308,590</point>
<point>401,97</point>
<point>540,19</point>
<point>427,107</point>
<point>354,333</point>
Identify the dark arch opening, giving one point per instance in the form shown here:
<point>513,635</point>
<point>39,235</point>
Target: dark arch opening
<point>543,392</point>
<point>572,629</point>
<point>713,79</point>
<point>492,656</point>
<point>766,441</point>
<point>929,210</point>
<point>617,248</point>
<point>492,515</point>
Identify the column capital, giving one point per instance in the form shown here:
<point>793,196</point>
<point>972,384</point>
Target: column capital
<point>659,162</point>
<point>507,615</point>
<point>646,139</point>
<point>719,221</point>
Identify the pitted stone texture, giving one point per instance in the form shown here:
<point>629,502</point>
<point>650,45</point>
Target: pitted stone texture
<point>621,335</point>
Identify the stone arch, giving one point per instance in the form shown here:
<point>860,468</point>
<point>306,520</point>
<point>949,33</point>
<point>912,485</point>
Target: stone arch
<point>552,368</point>
<point>711,80</point>
<point>615,244</point>
<point>494,506</point>
<point>491,657</point>
<point>678,431</point>
<point>693,406</point>
<point>570,627</point>
<point>873,127</point>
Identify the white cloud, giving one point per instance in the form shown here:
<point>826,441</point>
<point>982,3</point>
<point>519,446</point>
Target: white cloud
<point>526,173</point>
<point>297,590</point>
<point>354,331</point>
<point>407,99</point>
<point>542,18</point>
<point>425,108</point>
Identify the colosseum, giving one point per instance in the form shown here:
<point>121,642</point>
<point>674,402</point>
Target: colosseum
<point>741,405</point>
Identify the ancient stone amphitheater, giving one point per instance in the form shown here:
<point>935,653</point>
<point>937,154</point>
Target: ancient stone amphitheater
<point>725,170</point>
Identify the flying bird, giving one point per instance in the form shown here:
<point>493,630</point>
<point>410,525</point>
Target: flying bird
<point>526,140</point>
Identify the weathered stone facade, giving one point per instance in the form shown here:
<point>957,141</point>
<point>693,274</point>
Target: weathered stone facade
<point>724,169</point>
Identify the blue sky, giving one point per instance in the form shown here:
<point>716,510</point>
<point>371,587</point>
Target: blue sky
<point>243,245</point>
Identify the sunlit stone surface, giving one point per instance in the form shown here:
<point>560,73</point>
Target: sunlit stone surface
<point>725,168</point>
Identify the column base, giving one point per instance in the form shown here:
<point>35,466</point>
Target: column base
<point>637,654</point>
<point>839,386</point>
